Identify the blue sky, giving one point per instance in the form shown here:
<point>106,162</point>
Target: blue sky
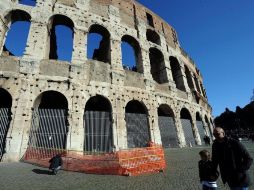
<point>219,36</point>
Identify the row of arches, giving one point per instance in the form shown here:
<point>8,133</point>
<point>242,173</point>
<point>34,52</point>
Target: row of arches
<point>50,126</point>
<point>60,43</point>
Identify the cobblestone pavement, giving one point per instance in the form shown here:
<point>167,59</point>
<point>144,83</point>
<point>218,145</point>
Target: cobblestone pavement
<point>181,174</point>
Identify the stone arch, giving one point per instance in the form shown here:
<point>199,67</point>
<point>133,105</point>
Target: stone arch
<point>137,66</point>
<point>18,22</point>
<point>177,73</point>
<point>98,125</point>
<point>166,120</point>
<point>56,48</point>
<point>48,100</point>
<point>101,53</point>
<point>189,77</point>
<point>153,37</point>
<point>49,121</point>
<point>187,126</point>
<point>5,118</point>
<point>136,117</point>
<point>158,68</point>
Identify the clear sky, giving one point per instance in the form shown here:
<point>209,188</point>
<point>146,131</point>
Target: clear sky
<point>219,36</point>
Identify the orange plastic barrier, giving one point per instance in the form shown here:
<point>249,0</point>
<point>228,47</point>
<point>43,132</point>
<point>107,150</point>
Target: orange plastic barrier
<point>123,162</point>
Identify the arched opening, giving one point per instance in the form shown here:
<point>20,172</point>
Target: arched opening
<point>138,134</point>
<point>189,77</point>
<point>49,121</point>
<point>186,122</point>
<point>98,125</point>
<point>153,37</point>
<point>61,38</point>
<point>131,54</point>
<point>201,128</point>
<point>149,19</point>
<point>177,73</point>
<point>98,44</point>
<point>16,37</point>
<point>167,127</point>
<point>158,69</point>
<point>28,2</point>
<point>5,118</point>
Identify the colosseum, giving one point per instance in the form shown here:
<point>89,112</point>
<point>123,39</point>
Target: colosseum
<point>97,104</point>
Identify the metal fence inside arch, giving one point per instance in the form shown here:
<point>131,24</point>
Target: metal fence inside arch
<point>4,126</point>
<point>137,130</point>
<point>98,132</point>
<point>188,133</point>
<point>168,132</point>
<point>49,129</point>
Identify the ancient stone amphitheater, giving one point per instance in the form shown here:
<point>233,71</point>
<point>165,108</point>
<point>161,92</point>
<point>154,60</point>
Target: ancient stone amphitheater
<point>97,104</point>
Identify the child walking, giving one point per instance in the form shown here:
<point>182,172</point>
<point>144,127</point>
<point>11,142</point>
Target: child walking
<point>207,174</point>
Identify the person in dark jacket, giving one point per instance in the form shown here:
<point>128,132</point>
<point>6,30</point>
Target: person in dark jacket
<point>207,175</point>
<point>55,164</point>
<point>233,160</point>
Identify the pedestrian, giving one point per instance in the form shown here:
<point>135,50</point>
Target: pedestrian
<point>55,164</point>
<point>207,174</point>
<point>207,140</point>
<point>233,160</point>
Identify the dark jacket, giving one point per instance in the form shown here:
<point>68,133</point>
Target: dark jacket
<point>206,171</point>
<point>55,162</point>
<point>233,160</point>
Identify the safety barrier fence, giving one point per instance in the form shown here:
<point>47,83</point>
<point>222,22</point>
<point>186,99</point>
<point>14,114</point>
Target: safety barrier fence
<point>129,162</point>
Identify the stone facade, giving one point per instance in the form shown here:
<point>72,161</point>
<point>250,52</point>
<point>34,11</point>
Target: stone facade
<point>26,78</point>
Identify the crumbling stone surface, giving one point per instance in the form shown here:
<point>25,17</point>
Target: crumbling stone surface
<point>27,77</point>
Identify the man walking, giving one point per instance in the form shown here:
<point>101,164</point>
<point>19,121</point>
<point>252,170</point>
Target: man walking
<point>233,160</point>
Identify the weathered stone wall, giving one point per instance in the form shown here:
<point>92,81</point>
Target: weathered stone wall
<point>26,77</point>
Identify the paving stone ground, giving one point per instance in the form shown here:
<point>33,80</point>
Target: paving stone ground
<point>181,174</point>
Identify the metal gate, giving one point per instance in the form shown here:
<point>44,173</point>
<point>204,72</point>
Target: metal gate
<point>168,132</point>
<point>98,131</point>
<point>201,131</point>
<point>49,128</point>
<point>137,130</point>
<point>188,133</point>
<point>4,126</point>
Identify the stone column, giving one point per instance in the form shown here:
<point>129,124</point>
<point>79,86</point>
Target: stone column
<point>76,135</point>
<point>118,73</point>
<point>155,130</point>
<point>119,125</point>
<point>79,54</point>
<point>21,123</point>
<point>37,42</point>
<point>179,131</point>
<point>195,130</point>
<point>120,137</point>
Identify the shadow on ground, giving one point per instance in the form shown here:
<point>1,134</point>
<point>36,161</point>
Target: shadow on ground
<point>39,171</point>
